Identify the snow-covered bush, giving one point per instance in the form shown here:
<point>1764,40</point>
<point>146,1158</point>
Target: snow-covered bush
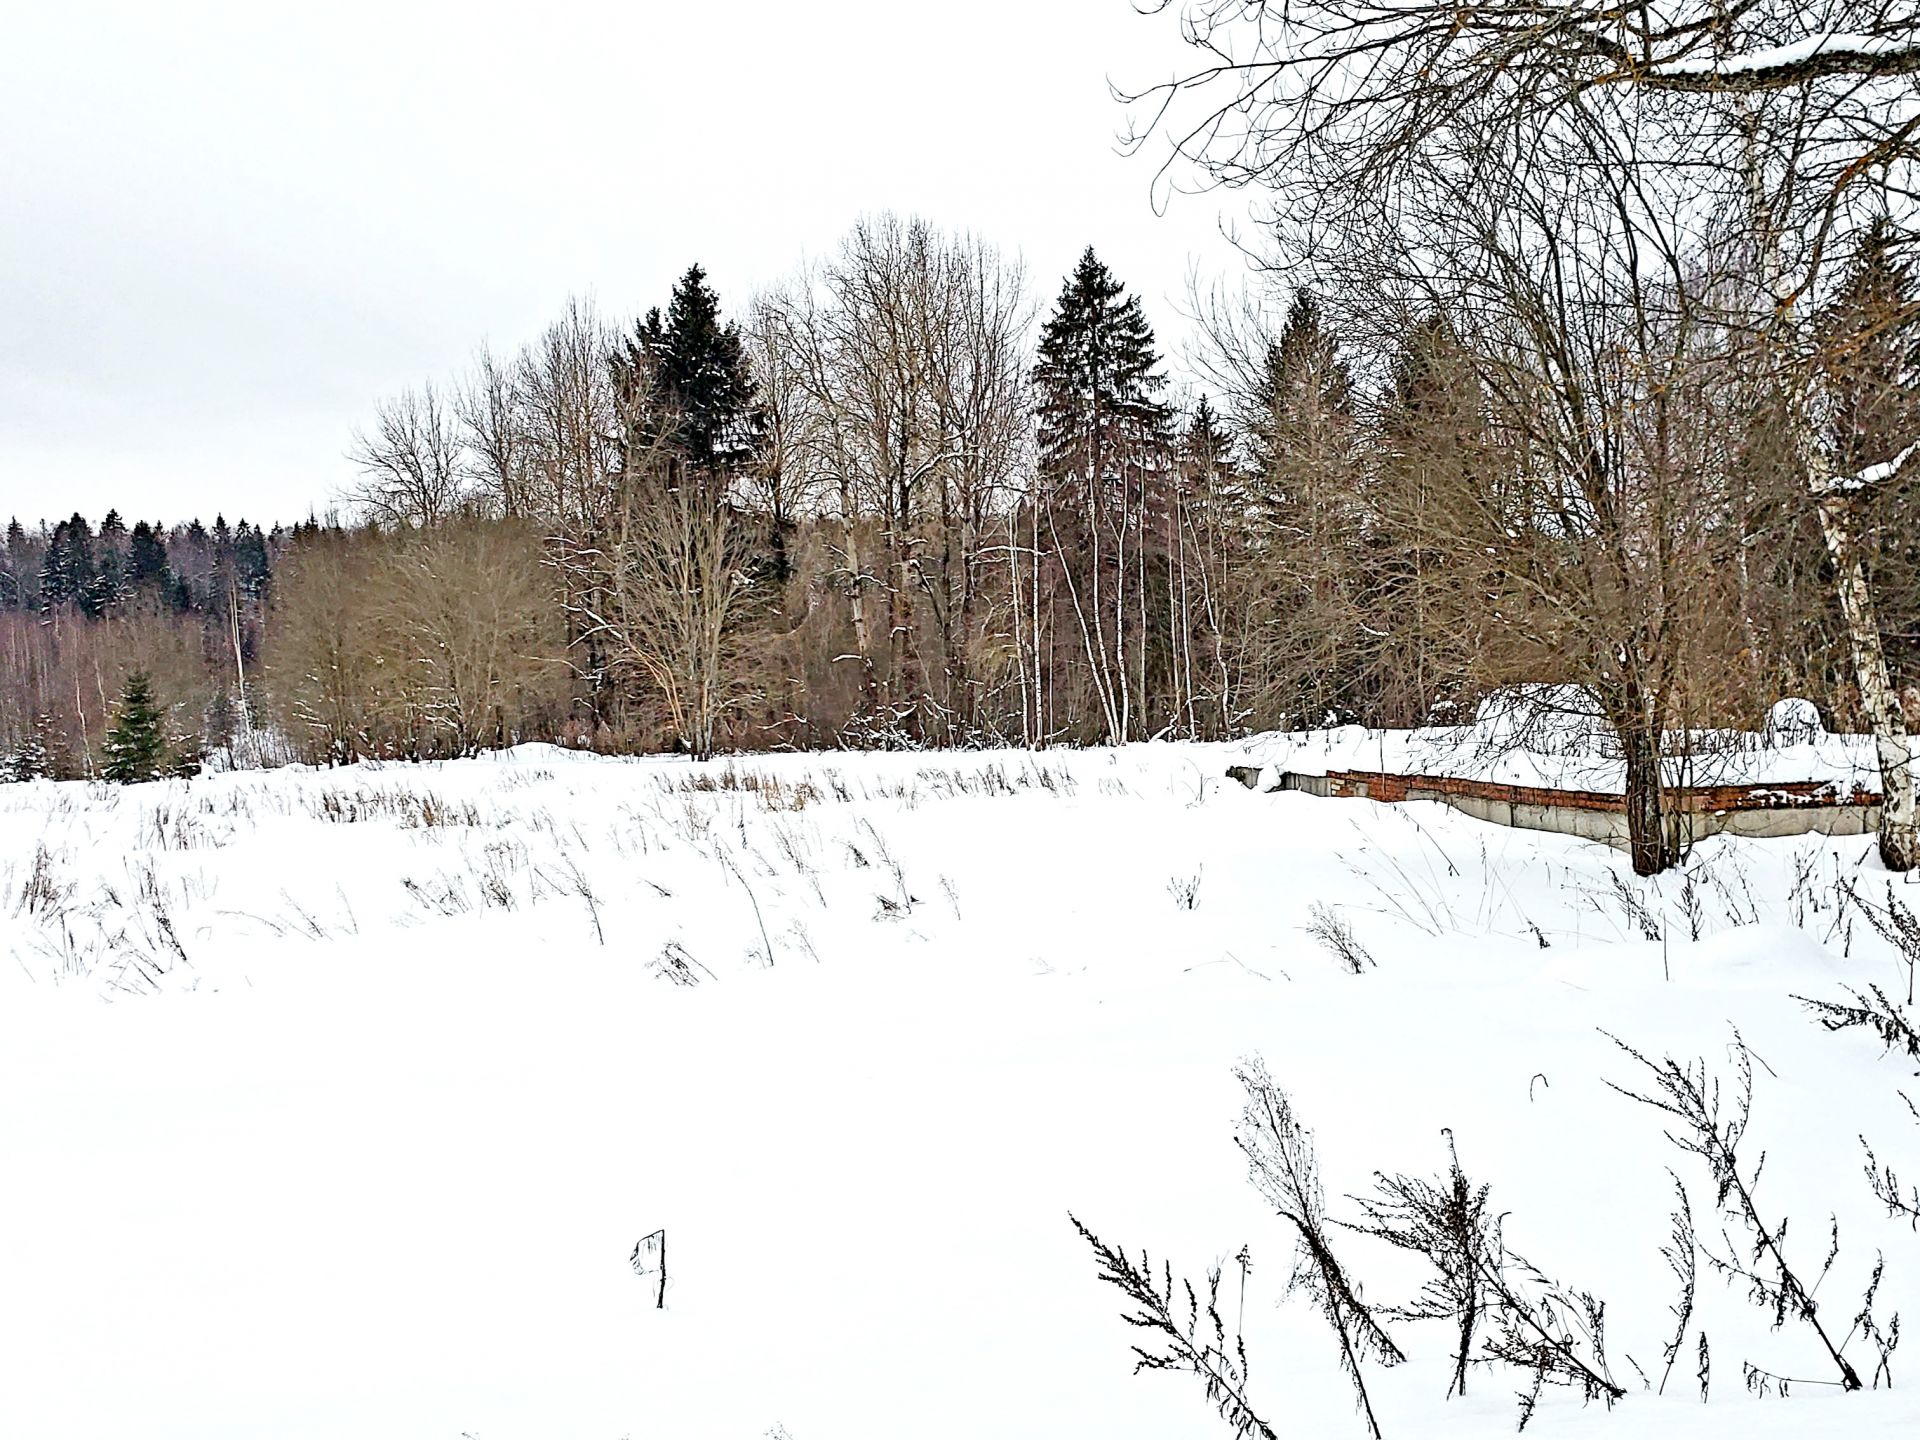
<point>1545,719</point>
<point>1794,721</point>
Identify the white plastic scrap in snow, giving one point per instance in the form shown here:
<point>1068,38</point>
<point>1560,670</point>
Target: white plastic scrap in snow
<point>650,1258</point>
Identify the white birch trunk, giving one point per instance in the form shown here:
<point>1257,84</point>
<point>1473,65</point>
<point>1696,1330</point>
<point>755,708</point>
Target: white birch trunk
<point>1899,839</point>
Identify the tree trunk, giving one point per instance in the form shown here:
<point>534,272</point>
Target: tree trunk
<point>1650,840</point>
<point>1899,840</point>
<point>857,599</point>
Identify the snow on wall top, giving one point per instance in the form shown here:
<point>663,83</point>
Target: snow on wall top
<point>1565,746</point>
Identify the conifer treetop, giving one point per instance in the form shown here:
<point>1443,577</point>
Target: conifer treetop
<point>697,369</point>
<point>1098,376</point>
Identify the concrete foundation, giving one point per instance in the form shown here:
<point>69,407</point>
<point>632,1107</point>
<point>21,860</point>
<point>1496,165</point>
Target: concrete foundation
<point>1764,812</point>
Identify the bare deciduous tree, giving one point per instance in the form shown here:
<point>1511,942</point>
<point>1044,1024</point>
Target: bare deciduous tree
<point>467,612</point>
<point>417,643</point>
<point>493,412</point>
<point>413,467</point>
<point>669,582</point>
<point>1777,129</point>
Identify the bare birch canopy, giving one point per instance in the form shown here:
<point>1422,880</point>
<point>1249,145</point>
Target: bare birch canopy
<point>1322,101</point>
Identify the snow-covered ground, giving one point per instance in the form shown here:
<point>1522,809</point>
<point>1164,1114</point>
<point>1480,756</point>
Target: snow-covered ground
<point>333,1103</point>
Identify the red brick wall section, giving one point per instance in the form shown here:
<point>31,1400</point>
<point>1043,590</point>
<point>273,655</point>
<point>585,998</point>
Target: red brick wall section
<point>1788,795</point>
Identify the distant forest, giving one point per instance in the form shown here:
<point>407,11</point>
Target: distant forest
<point>84,606</point>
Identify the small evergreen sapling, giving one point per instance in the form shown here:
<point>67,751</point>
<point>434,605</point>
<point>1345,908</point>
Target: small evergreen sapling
<point>32,758</point>
<point>136,745</point>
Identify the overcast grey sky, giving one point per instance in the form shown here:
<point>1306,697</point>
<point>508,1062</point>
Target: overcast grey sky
<point>226,231</point>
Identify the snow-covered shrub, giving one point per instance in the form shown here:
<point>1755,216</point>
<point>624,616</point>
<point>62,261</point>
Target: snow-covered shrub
<point>1794,721</point>
<point>26,761</point>
<point>1545,719</point>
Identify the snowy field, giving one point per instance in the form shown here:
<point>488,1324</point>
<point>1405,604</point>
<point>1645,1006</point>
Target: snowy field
<point>333,1103</point>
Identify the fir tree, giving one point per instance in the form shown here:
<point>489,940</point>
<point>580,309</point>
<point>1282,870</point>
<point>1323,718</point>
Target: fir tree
<point>110,578</point>
<point>699,389</point>
<point>68,573</point>
<point>1303,400</point>
<point>136,745</point>
<point>1098,377</point>
<point>33,757</point>
<point>147,560</point>
<point>1871,343</point>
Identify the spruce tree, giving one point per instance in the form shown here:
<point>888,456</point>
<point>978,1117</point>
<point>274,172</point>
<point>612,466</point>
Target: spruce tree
<point>1207,445</point>
<point>54,591</point>
<point>1435,461</point>
<point>67,574</point>
<point>13,586</point>
<point>136,745</point>
<point>147,560</point>
<point>250,562</point>
<point>33,757</point>
<point>1107,463</point>
<point>1098,377</point>
<point>26,553</point>
<point>699,390</point>
<point>1209,540</point>
<point>1303,400</point>
<point>1213,485</point>
<point>1303,442</point>
<point>110,578</point>
<point>191,555</point>
<point>1870,341</point>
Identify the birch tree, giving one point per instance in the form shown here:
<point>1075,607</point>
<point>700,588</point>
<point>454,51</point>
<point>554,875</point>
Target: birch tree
<point>1778,128</point>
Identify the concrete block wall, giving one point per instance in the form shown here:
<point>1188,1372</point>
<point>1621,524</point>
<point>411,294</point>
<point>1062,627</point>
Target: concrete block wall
<point>1791,808</point>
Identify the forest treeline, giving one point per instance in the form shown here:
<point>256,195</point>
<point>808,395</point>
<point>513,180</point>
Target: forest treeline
<point>897,501</point>
<point>84,607</point>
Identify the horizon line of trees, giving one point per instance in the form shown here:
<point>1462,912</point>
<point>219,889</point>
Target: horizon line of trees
<point>891,503</point>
